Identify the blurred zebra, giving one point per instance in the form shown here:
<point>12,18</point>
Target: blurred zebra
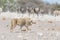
<point>30,11</point>
<point>56,12</point>
<point>36,11</point>
<point>42,12</point>
<point>23,10</point>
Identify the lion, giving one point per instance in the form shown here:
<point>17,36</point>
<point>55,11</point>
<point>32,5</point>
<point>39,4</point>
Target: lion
<point>21,22</point>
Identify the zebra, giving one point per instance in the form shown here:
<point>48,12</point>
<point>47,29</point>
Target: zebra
<point>36,11</point>
<point>30,11</point>
<point>23,10</point>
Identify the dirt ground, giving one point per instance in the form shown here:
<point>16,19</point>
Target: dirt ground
<point>42,30</point>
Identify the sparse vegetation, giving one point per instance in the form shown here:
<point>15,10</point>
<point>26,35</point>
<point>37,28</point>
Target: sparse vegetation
<point>14,5</point>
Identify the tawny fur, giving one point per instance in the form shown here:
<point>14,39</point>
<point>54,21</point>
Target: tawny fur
<point>21,22</point>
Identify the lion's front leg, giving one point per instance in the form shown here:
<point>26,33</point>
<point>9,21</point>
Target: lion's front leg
<point>13,25</point>
<point>21,28</point>
<point>11,28</point>
<point>27,28</point>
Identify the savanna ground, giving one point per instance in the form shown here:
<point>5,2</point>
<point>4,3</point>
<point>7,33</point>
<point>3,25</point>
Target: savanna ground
<point>42,30</point>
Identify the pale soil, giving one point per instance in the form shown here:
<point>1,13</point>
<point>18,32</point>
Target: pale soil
<point>44,29</point>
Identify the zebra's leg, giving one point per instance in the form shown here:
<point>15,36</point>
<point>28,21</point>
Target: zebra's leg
<point>52,14</point>
<point>55,15</point>
<point>33,14</point>
<point>42,15</point>
<point>22,14</point>
<point>38,16</point>
<point>29,14</point>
